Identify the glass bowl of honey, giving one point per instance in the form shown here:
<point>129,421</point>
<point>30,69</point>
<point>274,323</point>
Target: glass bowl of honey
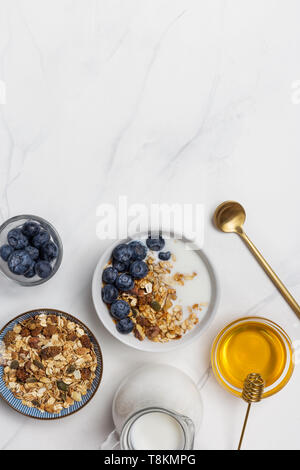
<point>252,344</point>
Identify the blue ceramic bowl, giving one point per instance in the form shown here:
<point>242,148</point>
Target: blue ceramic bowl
<point>17,404</point>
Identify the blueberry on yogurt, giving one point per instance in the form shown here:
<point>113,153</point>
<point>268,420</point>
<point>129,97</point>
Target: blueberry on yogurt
<point>19,262</point>
<point>119,309</point>
<point>125,326</point>
<point>124,282</point>
<point>164,255</point>
<point>41,238</point>
<point>5,252</point>
<point>120,267</point>
<point>138,269</point>
<point>122,253</point>
<point>155,244</point>
<point>139,250</point>
<point>109,293</point>
<point>109,275</point>
<point>16,239</point>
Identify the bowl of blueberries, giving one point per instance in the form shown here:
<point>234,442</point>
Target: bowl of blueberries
<point>30,250</point>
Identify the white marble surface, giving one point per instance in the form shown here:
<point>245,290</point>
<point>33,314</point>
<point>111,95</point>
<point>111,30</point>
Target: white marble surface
<point>163,101</point>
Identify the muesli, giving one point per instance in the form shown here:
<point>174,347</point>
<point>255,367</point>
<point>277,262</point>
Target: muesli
<point>49,362</point>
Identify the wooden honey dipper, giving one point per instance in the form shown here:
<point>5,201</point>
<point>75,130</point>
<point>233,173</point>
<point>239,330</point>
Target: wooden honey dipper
<point>252,393</point>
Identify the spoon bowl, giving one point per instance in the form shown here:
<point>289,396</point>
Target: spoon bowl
<point>230,217</point>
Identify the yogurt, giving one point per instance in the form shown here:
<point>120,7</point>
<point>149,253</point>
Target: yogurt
<point>196,290</point>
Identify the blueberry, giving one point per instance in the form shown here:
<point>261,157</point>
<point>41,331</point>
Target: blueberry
<point>5,252</point>
<point>33,252</point>
<point>31,271</point>
<point>19,262</point>
<point>43,269</point>
<point>138,269</point>
<point>155,244</point>
<point>164,255</point>
<point>30,229</point>
<point>125,326</point>
<point>109,293</point>
<point>120,267</point>
<point>49,251</point>
<point>41,238</point>
<point>124,282</point>
<point>109,275</point>
<point>16,239</point>
<point>139,250</point>
<point>119,309</point>
<point>122,253</point>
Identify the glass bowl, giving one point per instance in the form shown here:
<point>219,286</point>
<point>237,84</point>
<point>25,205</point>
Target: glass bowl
<point>18,221</point>
<point>267,351</point>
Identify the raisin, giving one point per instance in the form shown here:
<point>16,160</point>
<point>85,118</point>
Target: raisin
<point>36,331</point>
<point>49,331</point>
<point>25,332</point>
<point>49,352</point>
<point>34,343</point>
<point>85,341</point>
<point>22,375</point>
<point>85,373</point>
<point>143,321</point>
<point>71,337</point>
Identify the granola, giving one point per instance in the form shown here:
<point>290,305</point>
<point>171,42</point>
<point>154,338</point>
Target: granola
<point>49,362</point>
<point>153,308</point>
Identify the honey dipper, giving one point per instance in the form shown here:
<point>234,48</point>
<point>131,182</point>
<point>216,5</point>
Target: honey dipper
<point>252,393</point>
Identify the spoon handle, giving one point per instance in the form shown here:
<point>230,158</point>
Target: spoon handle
<point>274,278</point>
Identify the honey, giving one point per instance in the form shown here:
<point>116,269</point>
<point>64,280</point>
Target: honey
<point>252,345</point>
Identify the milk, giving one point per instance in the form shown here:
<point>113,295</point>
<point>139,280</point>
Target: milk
<point>157,431</point>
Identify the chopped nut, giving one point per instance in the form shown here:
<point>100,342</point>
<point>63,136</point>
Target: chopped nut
<point>152,332</point>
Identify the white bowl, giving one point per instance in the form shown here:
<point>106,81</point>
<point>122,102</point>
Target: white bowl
<point>147,345</point>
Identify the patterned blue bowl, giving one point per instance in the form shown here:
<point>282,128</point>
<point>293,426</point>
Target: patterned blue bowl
<point>17,404</point>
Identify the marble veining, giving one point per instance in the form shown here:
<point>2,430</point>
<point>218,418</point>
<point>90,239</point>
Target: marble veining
<point>161,101</point>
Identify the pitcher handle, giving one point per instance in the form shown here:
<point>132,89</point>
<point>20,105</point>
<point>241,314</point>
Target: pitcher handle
<point>111,442</point>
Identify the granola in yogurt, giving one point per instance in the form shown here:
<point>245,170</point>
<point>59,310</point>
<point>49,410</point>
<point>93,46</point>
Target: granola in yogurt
<point>140,285</point>
<point>154,311</point>
<point>49,362</point>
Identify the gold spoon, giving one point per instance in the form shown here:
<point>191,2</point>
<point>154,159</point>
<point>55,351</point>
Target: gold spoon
<point>230,217</point>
